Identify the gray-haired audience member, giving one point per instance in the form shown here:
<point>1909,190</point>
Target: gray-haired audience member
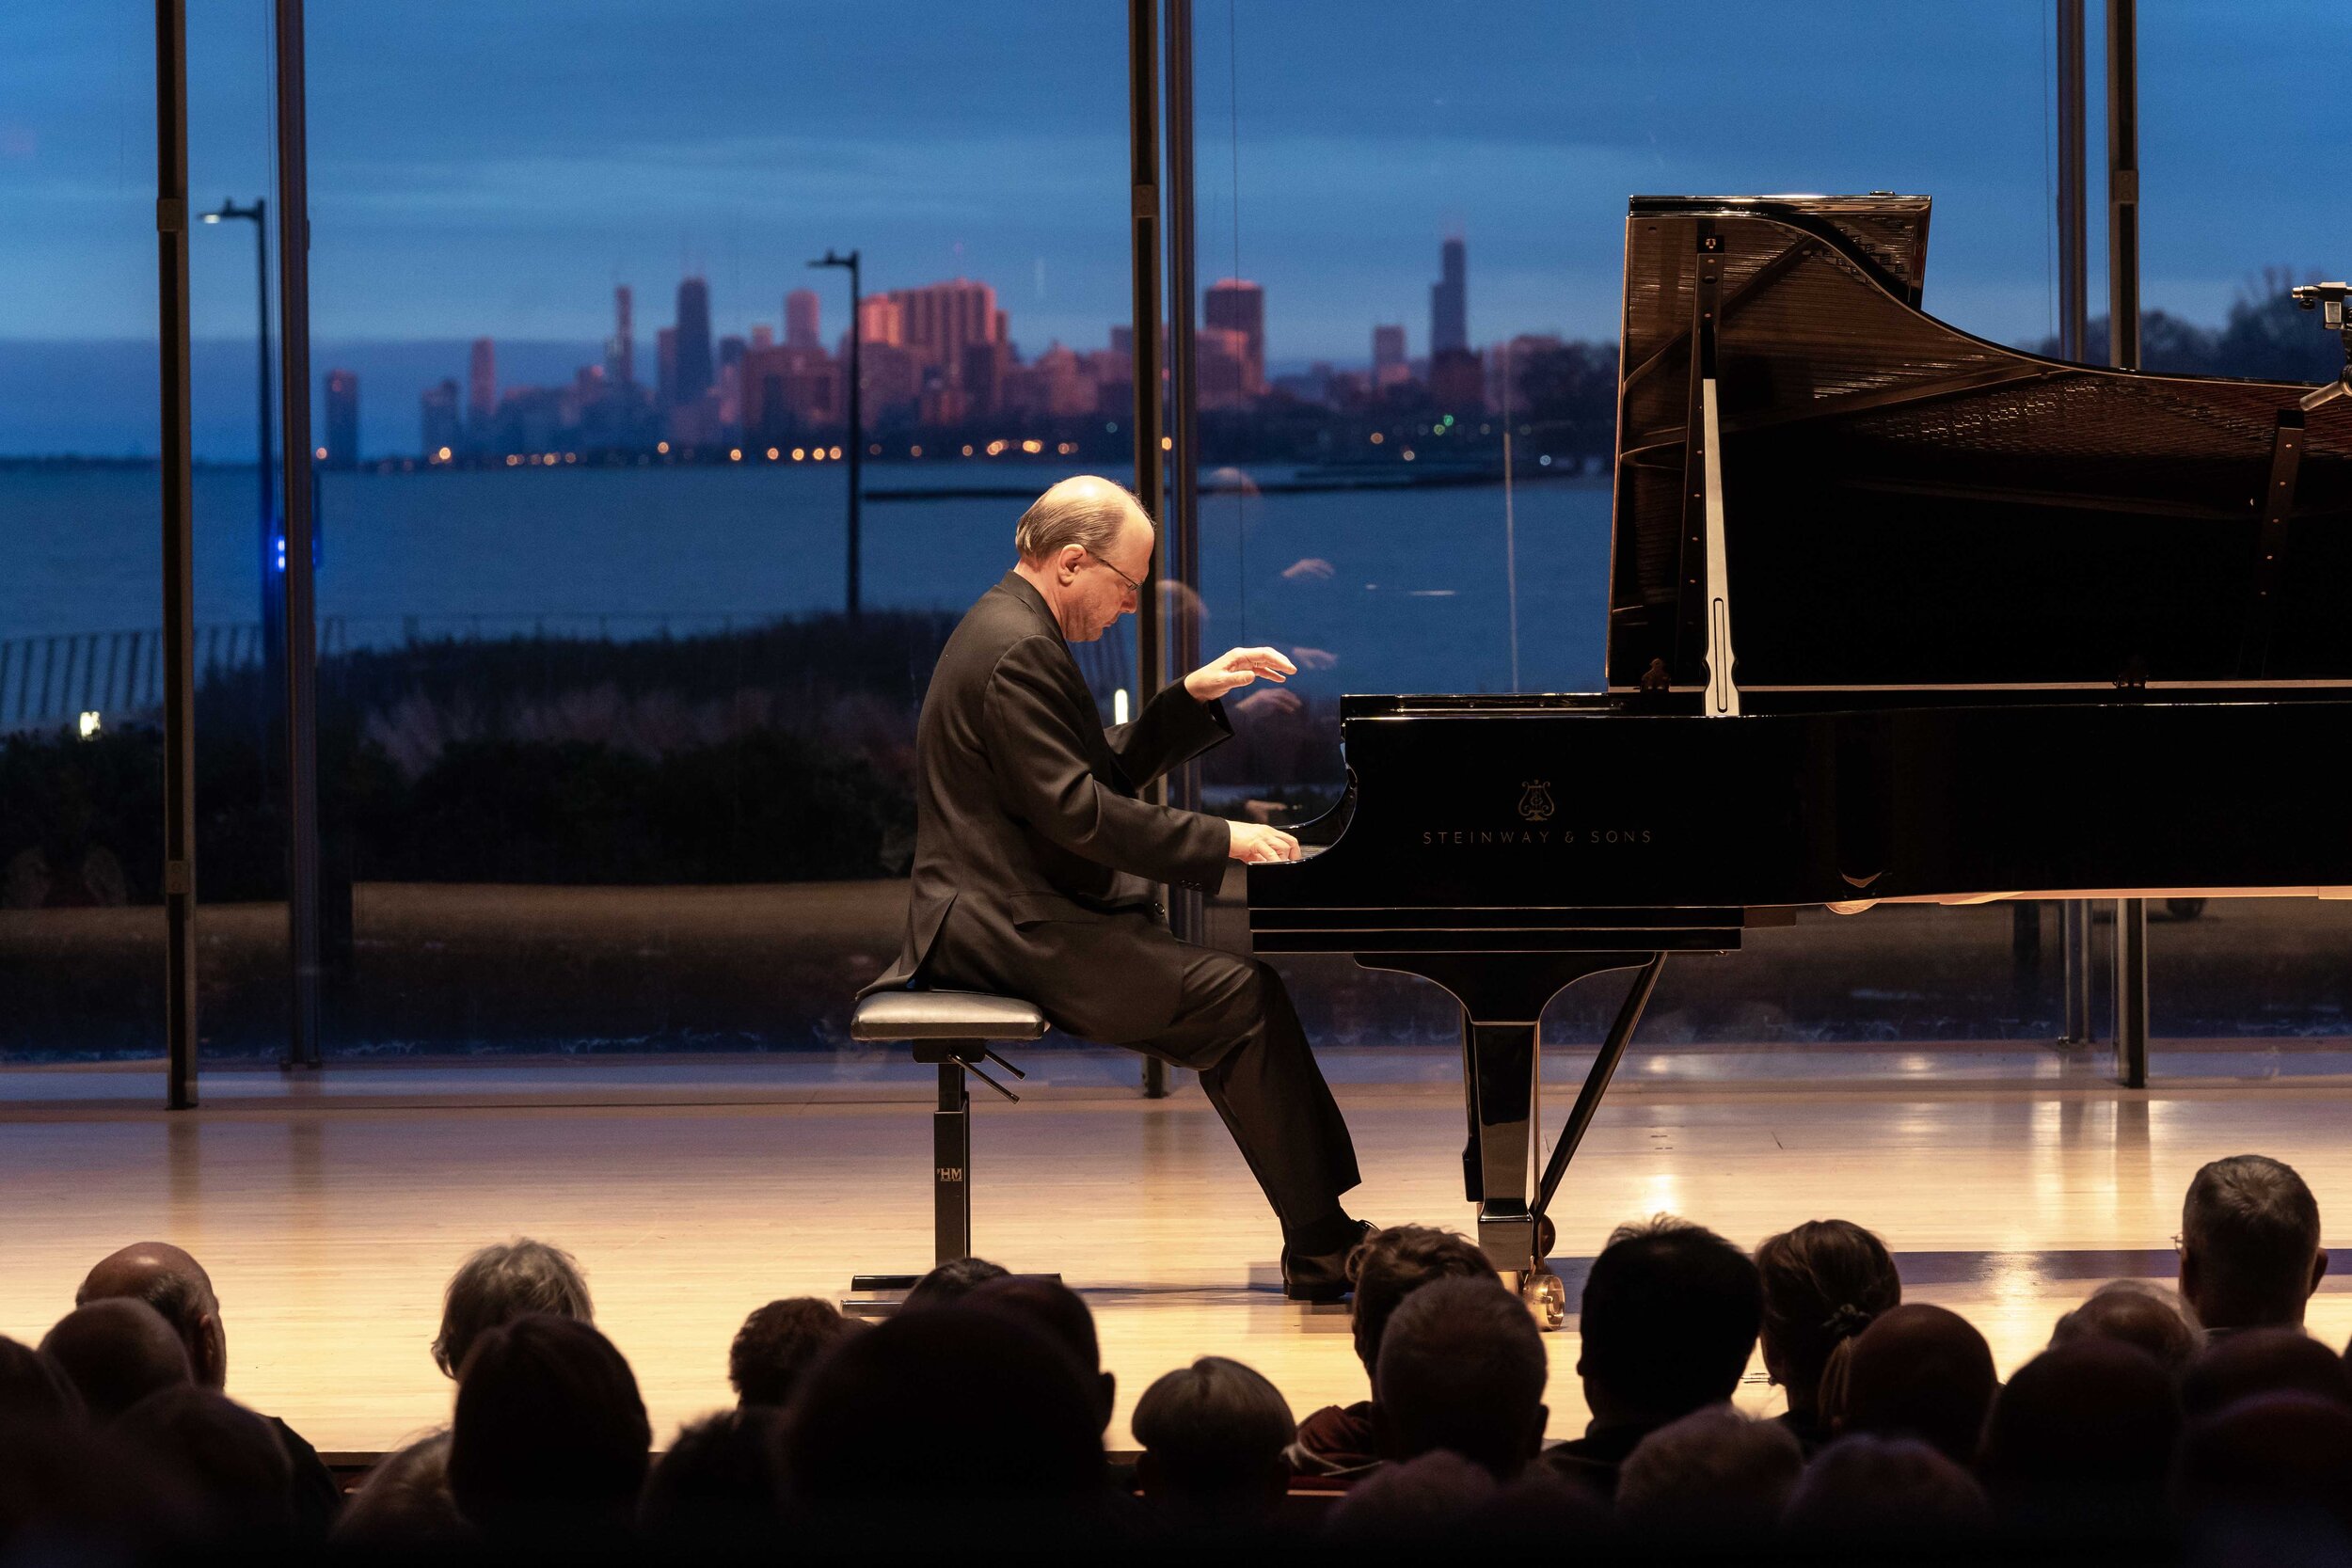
<point>1921,1372</point>
<point>2251,1256</point>
<point>952,1281</point>
<point>1713,1473</point>
<point>778,1343</point>
<point>1213,1436</point>
<point>175,1285</point>
<point>117,1351</point>
<point>2264,1361</point>
<point>1462,1368</point>
<point>34,1389</point>
<point>2081,1439</point>
<point>2135,1313</point>
<point>404,1505</point>
<point>501,1283</point>
<point>1885,1491</point>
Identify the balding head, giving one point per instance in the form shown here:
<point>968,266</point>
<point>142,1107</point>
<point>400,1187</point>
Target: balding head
<point>1086,547</point>
<point>117,1351</point>
<point>177,1287</point>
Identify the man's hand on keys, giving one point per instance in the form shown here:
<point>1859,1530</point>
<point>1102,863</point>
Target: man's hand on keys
<point>1256,844</point>
<point>1238,667</point>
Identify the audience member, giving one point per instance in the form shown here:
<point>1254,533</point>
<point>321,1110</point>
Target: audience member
<point>2251,1256</point>
<point>72,1493</point>
<point>2286,1455</point>
<point>2081,1439</point>
<point>1388,1266</point>
<point>1061,1315</point>
<point>1213,1436</point>
<point>404,1505</point>
<point>34,1389</point>
<point>778,1343</point>
<point>1413,1508</point>
<point>501,1283</point>
<point>550,1438</point>
<point>721,1484</point>
<point>2135,1313</point>
<point>1920,1371</point>
<point>1670,1314</point>
<point>1865,1491</point>
<point>1714,1474</point>
<point>1462,1368</point>
<point>1823,1282</point>
<point>231,1460</point>
<point>175,1285</point>
<point>116,1352</point>
<point>2264,1361</point>
<point>952,1281</point>
<point>964,1409</point>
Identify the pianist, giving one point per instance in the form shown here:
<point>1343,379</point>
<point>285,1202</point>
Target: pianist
<point>1036,865</point>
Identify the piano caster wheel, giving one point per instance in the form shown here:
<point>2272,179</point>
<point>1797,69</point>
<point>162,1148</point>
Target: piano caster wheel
<point>1547,1296</point>
<point>1547,1237</point>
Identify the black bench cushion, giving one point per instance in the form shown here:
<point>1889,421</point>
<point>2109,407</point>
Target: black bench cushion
<point>945,1015</point>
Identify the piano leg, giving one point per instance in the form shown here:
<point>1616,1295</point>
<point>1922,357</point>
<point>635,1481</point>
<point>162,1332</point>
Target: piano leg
<point>1473,1189</point>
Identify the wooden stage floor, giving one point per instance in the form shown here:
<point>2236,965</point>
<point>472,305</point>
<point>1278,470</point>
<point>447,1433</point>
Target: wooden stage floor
<point>330,1221</point>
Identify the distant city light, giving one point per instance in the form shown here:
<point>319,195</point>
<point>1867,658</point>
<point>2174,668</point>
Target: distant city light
<point>996,449</point>
<point>1377,438</point>
<point>875,451</point>
<point>88,722</point>
<point>735,455</point>
<point>1033,448</point>
<point>661,446</point>
<point>322,454</point>
<point>443,454</point>
<point>967,452</point>
<point>1408,455</point>
<point>1110,427</point>
<point>774,454</point>
<point>1545,460</point>
<point>512,460</point>
<point>800,454</point>
<point>571,457</point>
<point>836,454</point>
<point>915,451</point>
<point>1168,443</point>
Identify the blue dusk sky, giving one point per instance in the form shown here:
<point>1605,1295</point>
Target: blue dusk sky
<point>495,168</point>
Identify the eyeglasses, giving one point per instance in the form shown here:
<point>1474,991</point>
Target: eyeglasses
<point>1132,586</point>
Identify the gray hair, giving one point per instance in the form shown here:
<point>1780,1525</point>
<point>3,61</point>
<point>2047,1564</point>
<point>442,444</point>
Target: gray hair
<point>2254,1228</point>
<point>503,1282</point>
<point>1085,511</point>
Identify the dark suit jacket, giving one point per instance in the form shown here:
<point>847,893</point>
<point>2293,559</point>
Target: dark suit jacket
<point>1035,863</point>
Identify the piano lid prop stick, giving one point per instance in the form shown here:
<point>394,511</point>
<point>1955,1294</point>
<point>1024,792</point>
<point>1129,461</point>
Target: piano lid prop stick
<point>1722,693</point>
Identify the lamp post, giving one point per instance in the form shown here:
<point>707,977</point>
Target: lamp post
<point>273,591</point>
<point>857,428</point>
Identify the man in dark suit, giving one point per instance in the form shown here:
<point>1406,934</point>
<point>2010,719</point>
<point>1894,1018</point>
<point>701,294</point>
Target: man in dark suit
<point>1036,865</point>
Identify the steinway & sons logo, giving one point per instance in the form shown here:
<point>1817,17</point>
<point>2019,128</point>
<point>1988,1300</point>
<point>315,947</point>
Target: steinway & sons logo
<point>1537,809</point>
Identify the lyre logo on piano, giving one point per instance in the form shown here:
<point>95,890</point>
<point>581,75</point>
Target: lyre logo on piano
<point>1535,803</point>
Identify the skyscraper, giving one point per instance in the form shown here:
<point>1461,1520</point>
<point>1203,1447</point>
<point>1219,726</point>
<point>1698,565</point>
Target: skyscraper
<point>342,419</point>
<point>1449,300</point>
<point>437,422</point>
<point>1389,364</point>
<point>1238,305</point>
<point>620,350</point>
<point>695,368</point>
<point>939,320</point>
<point>481,389</point>
<point>802,314</point>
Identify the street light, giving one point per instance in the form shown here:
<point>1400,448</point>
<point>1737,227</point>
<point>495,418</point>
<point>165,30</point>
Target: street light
<point>857,428</point>
<point>272,585</point>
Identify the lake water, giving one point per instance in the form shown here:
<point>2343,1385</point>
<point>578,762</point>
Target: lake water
<point>1401,590</point>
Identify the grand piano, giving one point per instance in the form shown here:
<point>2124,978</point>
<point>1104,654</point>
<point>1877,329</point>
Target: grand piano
<point>1895,614</point>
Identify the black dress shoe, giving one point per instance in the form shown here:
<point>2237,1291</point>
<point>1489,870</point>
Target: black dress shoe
<point>1321,1277</point>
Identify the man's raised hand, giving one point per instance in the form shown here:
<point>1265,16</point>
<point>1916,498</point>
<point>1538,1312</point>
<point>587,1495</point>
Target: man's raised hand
<point>1255,844</point>
<point>1238,667</point>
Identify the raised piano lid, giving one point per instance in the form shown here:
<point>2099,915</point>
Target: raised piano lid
<point>1911,507</point>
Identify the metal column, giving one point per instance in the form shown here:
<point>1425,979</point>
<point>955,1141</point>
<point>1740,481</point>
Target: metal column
<point>294,338</point>
<point>1143,158</point>
<point>1181,604</point>
<point>2074,283</point>
<point>2131,914</point>
<point>179,564</point>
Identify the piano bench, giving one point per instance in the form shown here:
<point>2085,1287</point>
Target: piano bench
<point>955,1031</point>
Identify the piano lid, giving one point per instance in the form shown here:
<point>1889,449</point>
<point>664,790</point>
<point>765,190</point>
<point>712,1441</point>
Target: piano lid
<point>1907,505</point>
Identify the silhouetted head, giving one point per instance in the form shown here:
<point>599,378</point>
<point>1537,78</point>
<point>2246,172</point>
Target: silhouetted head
<point>2084,1432</point>
<point>778,1343</point>
<point>2249,1245</point>
<point>2264,1361</point>
<point>1462,1368</point>
<point>2276,1454</point>
<point>1213,1436</point>
<point>501,1283</point>
<point>1894,1491</point>
<point>550,1435</point>
<point>2134,1312</point>
<point>176,1286</point>
<point>1414,1508</point>
<point>404,1505</point>
<point>1061,1313</point>
<point>950,1282</point>
<point>1921,1372</point>
<point>1712,1473</point>
<point>997,1411</point>
<point>34,1390</point>
<point>1388,1265</point>
<point>721,1482</point>
<point>116,1352</point>
<point>1823,1282</point>
<point>1670,1314</point>
<point>228,1457</point>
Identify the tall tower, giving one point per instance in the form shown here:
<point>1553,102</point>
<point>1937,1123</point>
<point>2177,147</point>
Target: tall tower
<point>482,386</point>
<point>620,350</point>
<point>1449,300</point>
<point>694,370</point>
<point>1389,363</point>
<point>802,318</point>
<point>1238,305</point>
